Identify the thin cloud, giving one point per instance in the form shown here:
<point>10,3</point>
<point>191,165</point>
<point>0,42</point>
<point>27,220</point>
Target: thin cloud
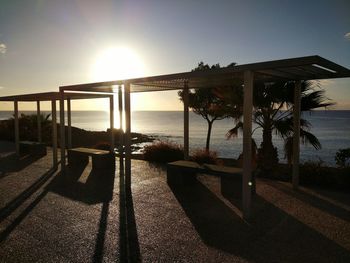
<point>1,87</point>
<point>3,48</point>
<point>347,36</point>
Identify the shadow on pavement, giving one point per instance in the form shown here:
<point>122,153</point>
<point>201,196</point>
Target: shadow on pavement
<point>273,235</point>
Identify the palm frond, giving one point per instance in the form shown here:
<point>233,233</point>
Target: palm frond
<point>309,138</point>
<point>233,133</point>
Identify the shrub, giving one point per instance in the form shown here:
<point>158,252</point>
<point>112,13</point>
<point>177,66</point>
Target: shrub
<point>204,156</point>
<point>163,152</point>
<point>317,174</point>
<point>342,158</point>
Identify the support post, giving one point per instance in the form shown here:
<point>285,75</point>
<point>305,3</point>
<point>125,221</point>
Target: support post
<point>62,133</point>
<point>296,134</point>
<point>247,143</point>
<point>69,120</point>
<point>121,131</point>
<point>39,120</point>
<point>54,133</point>
<point>127,134</point>
<point>186,121</point>
<point>16,127</point>
<point>111,120</point>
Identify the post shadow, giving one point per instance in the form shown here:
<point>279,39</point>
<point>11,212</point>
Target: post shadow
<point>4,234</point>
<point>128,238</point>
<point>20,199</point>
<point>313,200</point>
<point>12,163</point>
<point>270,237</point>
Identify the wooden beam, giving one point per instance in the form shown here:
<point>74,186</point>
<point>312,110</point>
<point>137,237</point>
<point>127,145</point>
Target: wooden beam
<point>127,138</point>
<point>111,121</point>
<point>247,143</point>
<point>38,119</point>
<point>121,138</point>
<point>16,128</point>
<point>62,134</point>
<point>186,121</point>
<point>54,133</point>
<point>296,134</point>
<point>69,120</point>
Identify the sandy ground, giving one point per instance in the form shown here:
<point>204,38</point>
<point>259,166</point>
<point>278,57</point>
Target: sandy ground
<point>92,216</point>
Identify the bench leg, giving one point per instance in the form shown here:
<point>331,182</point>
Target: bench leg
<point>103,161</point>
<point>76,159</point>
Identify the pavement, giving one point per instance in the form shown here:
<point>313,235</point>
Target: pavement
<point>96,216</point>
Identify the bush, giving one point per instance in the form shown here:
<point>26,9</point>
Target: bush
<point>163,152</point>
<point>203,156</point>
<point>317,174</point>
<point>342,158</point>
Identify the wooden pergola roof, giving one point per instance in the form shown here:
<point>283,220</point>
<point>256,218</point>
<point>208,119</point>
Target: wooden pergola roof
<point>48,96</point>
<point>302,68</point>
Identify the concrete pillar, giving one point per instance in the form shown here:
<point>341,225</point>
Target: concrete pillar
<point>247,143</point>
<point>296,134</point>
<point>186,121</point>
<point>111,120</point>
<point>62,133</point>
<point>38,120</point>
<point>127,138</point>
<point>69,120</point>
<point>16,127</point>
<point>54,133</point>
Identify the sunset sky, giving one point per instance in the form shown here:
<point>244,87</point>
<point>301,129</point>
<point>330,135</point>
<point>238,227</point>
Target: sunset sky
<point>45,44</point>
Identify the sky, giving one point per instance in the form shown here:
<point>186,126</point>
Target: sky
<point>46,44</point>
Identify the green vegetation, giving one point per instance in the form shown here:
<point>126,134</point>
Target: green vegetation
<point>205,103</point>
<point>316,173</point>
<point>342,158</point>
<point>163,152</point>
<point>204,156</point>
<point>273,113</point>
<point>28,128</point>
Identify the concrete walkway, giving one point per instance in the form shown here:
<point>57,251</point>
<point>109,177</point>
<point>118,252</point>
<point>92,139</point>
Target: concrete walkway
<point>89,216</point>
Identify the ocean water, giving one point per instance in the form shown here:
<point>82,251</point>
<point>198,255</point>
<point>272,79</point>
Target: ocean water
<point>332,128</point>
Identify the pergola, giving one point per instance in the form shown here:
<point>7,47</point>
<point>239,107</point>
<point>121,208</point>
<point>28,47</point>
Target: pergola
<point>53,97</point>
<point>294,69</point>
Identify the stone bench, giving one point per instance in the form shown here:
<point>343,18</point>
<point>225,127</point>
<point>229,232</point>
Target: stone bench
<point>101,159</point>
<point>184,173</point>
<point>32,148</point>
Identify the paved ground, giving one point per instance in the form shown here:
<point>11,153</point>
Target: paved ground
<point>90,216</point>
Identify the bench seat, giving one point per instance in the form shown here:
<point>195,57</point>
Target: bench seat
<point>184,173</point>
<point>101,159</point>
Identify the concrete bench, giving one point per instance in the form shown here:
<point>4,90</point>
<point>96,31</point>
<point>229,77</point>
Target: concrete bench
<point>184,173</point>
<point>101,159</point>
<point>32,148</point>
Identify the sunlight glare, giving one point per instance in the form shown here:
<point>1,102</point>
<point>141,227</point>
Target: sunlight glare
<point>116,64</point>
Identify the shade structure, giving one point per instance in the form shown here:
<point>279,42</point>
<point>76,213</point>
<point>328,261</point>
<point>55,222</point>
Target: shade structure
<point>293,69</point>
<point>302,68</point>
<point>53,97</point>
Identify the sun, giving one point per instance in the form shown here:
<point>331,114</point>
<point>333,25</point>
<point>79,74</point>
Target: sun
<point>117,63</point>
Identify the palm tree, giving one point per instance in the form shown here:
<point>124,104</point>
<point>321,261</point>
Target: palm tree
<point>273,113</point>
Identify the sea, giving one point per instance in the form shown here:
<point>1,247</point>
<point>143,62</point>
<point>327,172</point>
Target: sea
<point>331,127</point>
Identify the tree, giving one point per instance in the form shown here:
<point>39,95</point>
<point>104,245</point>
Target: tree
<point>204,102</point>
<point>273,113</point>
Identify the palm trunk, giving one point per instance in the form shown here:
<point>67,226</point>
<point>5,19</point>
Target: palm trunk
<point>210,125</point>
<point>268,157</point>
